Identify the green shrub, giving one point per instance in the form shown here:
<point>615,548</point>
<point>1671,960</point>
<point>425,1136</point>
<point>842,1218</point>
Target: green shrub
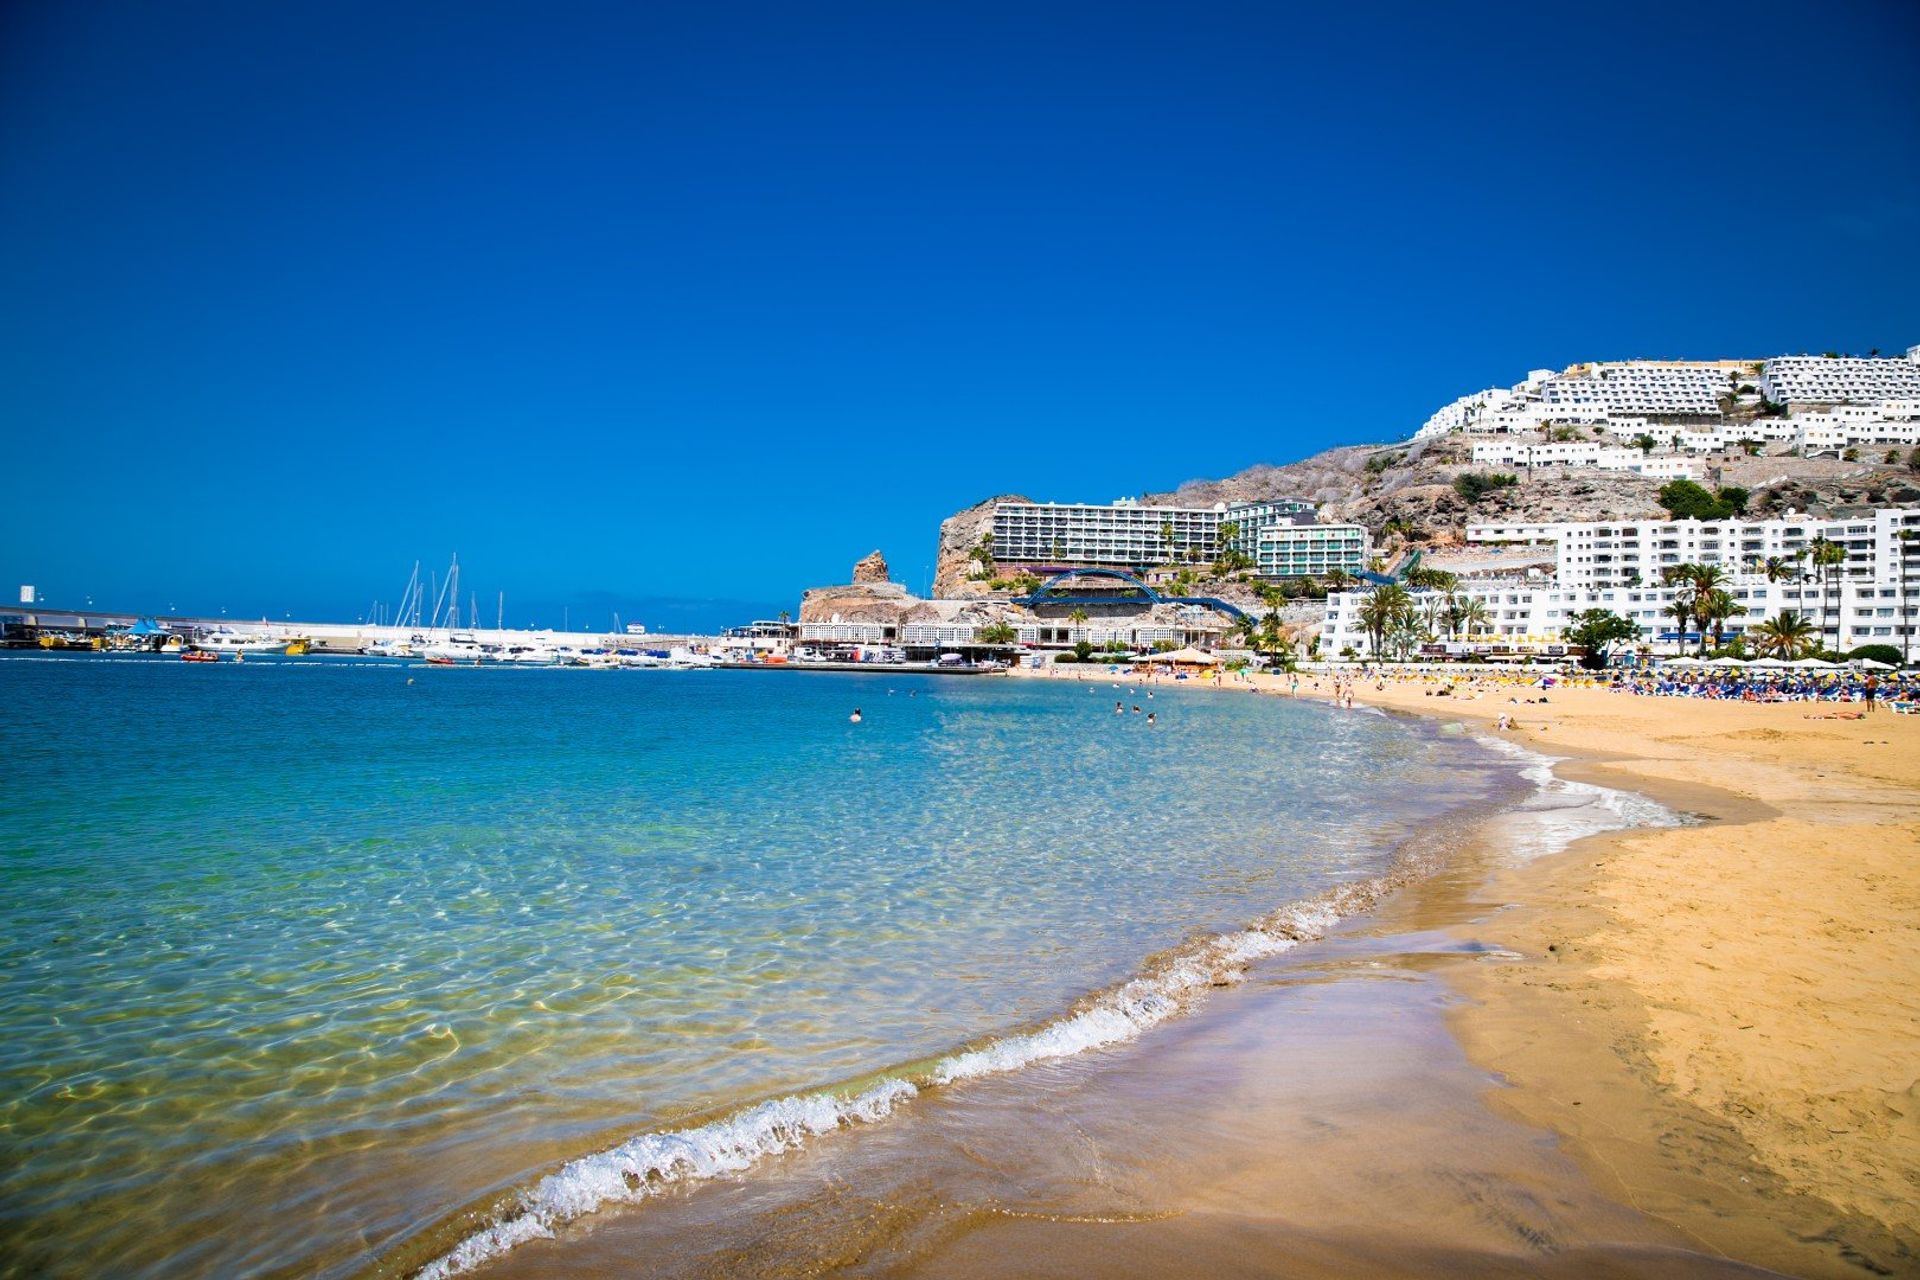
<point>1684,499</point>
<point>1886,653</point>
<point>1066,657</point>
<point>1475,485</point>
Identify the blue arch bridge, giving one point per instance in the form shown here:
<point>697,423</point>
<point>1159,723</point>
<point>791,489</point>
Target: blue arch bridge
<point>1056,591</point>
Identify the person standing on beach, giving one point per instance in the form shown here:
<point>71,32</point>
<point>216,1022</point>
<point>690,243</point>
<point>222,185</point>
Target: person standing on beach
<point>1872,690</point>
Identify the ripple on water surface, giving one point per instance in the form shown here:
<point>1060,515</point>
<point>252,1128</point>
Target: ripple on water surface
<point>297,958</point>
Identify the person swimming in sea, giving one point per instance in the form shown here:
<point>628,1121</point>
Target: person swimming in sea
<point>855,717</point>
<point>1150,719</point>
<point>1119,710</point>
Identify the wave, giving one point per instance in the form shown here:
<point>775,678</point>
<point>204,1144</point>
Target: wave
<point>1167,985</point>
<point>645,1165</point>
<point>648,1164</point>
<point>1563,810</point>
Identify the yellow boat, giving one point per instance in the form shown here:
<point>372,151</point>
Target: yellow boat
<point>296,648</point>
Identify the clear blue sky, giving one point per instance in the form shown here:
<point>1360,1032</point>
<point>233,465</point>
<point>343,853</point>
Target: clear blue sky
<point>646,301</point>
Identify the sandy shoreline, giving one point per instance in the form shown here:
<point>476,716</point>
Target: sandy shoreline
<point>1679,1052</point>
<point>1719,1021</point>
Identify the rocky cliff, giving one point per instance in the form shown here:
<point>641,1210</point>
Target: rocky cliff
<point>1374,485</point>
<point>1389,488</point>
<point>960,533</point>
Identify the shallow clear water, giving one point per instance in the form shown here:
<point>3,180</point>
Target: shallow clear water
<point>296,958</point>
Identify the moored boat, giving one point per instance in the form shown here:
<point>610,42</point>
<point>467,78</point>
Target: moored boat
<point>224,641</point>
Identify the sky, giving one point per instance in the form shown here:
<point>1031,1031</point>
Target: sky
<point>675,310</point>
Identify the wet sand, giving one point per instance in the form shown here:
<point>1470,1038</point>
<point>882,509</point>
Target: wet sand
<point>1320,1119</point>
<point>1733,1004</point>
<point>1664,1052</point>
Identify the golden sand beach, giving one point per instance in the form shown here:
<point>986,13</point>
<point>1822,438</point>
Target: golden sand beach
<point>1665,1052</point>
<point>1720,1021</point>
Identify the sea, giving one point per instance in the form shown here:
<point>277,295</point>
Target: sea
<point>336,967</point>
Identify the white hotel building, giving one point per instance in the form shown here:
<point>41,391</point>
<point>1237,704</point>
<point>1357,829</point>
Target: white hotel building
<point>1874,598</point>
<point>1509,452</point>
<point>1689,388</point>
<point>1280,536</point>
<point>1832,404</point>
<point>1794,380</point>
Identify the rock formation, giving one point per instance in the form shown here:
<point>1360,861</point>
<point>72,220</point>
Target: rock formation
<point>959,535</point>
<point>871,569</point>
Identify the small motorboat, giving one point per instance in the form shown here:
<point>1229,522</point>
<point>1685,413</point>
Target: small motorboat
<point>198,655</point>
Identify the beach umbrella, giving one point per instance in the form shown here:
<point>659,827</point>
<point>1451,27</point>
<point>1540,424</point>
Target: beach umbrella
<point>1813,664</point>
<point>1868,664</point>
<point>1771,664</point>
<point>1188,657</point>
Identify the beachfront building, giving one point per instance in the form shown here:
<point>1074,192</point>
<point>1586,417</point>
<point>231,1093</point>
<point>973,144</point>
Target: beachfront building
<point>923,639</point>
<point>1279,536</point>
<point>1310,550</point>
<point>1124,534</point>
<point>1793,380</point>
<point>1605,553</point>
<point>1529,615</point>
<point>1872,596</point>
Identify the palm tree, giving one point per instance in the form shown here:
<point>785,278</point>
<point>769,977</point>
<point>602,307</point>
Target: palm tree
<point>1714,608</point>
<point>1467,615</point>
<point>1908,537</point>
<point>1246,630</point>
<point>1777,567</point>
<point>1681,608</point>
<point>1787,635</point>
<point>982,556</point>
<point>1826,556</point>
<point>1706,585</point>
<point>1166,536</point>
<point>1276,641</point>
<point>1382,610</point>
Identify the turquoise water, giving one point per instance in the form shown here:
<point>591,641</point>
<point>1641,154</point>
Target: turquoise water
<point>299,959</point>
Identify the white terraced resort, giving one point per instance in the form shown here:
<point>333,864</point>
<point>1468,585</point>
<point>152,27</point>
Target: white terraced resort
<point>1807,405</point>
<point>1794,380</point>
<point>1510,452</point>
<point>1873,597</point>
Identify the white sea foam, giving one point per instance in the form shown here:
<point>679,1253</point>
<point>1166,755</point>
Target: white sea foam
<point>1562,810</point>
<point>1559,812</point>
<point>642,1166</point>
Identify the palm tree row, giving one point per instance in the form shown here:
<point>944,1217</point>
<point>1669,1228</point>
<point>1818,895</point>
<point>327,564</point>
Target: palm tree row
<point>1703,600</point>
